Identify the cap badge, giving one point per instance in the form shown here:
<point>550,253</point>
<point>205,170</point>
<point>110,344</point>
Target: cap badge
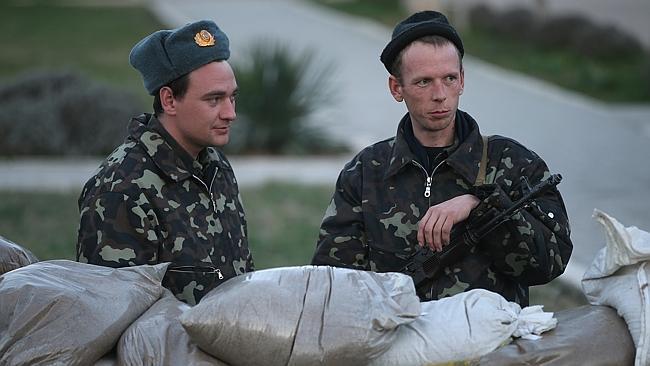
<point>204,38</point>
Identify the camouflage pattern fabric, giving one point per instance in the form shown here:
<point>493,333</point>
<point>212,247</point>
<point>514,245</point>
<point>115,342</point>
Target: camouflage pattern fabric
<point>150,202</point>
<point>372,220</point>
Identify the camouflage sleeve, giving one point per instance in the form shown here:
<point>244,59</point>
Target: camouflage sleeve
<point>341,242</point>
<point>534,246</point>
<point>117,231</point>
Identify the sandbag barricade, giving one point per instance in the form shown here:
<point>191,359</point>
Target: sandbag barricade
<point>14,256</point>
<point>305,315</point>
<point>67,313</point>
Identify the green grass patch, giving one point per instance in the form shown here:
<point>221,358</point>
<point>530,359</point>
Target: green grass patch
<point>94,39</point>
<point>617,80</point>
<point>283,222</point>
<point>43,222</point>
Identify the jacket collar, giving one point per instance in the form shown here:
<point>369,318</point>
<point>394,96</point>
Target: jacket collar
<point>464,155</point>
<point>167,154</point>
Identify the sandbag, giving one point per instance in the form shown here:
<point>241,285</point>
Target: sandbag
<point>67,313</point>
<point>463,327</point>
<point>14,256</point>
<point>157,338</point>
<point>588,335</point>
<point>618,277</point>
<point>305,315</point>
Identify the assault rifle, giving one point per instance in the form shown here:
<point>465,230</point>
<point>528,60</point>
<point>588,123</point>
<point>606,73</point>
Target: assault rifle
<point>425,263</point>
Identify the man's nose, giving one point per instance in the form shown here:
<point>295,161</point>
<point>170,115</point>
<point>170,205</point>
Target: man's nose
<point>438,91</point>
<point>228,111</point>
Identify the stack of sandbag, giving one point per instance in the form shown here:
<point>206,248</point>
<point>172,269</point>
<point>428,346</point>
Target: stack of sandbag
<point>13,256</point>
<point>464,327</point>
<point>303,316</point>
<point>157,338</point>
<point>618,277</point>
<point>67,313</point>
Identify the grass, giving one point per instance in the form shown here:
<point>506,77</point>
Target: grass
<point>622,80</point>
<point>283,222</point>
<point>94,39</point>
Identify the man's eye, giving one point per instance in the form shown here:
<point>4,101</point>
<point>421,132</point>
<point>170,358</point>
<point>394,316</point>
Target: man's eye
<point>450,79</point>
<point>422,83</point>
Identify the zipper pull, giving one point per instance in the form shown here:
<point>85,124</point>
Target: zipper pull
<point>427,189</point>
<point>219,274</point>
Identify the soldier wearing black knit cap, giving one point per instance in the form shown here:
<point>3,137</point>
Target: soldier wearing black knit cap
<point>437,172</point>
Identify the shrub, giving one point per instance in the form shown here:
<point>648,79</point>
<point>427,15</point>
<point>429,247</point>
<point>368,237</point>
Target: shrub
<point>62,113</point>
<point>278,94</point>
<point>559,31</point>
<point>575,33</point>
<point>606,42</point>
<point>516,23</point>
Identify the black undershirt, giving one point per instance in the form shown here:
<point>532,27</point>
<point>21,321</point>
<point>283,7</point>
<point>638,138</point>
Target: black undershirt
<point>429,157</point>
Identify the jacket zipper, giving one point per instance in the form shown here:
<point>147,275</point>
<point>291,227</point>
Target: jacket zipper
<point>429,178</point>
<point>214,204</point>
<point>209,189</point>
<point>427,192</point>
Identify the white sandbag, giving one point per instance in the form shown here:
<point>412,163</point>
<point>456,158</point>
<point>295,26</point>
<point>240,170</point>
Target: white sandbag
<point>303,316</point>
<point>158,339</point>
<point>14,256</point>
<point>618,277</point>
<point>463,327</point>
<point>67,313</point>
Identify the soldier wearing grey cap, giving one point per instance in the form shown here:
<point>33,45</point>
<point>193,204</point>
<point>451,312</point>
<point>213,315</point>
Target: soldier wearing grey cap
<point>438,171</point>
<point>168,194</point>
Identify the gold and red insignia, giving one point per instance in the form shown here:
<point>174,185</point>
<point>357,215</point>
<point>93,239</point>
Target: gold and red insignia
<point>204,38</point>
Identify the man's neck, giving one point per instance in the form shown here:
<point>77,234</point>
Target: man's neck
<point>169,124</point>
<point>441,138</point>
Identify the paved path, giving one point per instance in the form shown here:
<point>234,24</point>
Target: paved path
<point>601,150</point>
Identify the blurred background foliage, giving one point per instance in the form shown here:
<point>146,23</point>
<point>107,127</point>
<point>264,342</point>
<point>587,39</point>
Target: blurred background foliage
<point>69,90</point>
<point>278,93</point>
<point>62,113</point>
<point>571,51</point>
<point>75,90</point>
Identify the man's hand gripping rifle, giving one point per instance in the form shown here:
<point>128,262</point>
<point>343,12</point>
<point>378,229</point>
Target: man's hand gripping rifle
<point>425,264</point>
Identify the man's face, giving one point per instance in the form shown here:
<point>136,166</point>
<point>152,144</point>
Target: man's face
<point>206,111</point>
<point>431,84</point>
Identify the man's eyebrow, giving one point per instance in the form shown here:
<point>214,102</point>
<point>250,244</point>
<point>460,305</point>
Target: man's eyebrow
<point>219,93</point>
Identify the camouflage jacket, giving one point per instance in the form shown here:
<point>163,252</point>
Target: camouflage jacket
<point>372,220</point>
<point>150,202</point>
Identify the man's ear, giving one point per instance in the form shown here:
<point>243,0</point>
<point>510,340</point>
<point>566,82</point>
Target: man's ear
<point>395,88</point>
<point>167,100</point>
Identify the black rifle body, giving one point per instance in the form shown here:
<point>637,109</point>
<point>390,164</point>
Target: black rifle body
<point>426,264</point>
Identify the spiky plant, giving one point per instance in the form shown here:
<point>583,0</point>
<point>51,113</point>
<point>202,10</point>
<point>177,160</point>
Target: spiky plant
<point>279,91</point>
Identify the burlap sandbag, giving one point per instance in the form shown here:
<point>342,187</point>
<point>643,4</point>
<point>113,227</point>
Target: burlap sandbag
<point>14,256</point>
<point>303,316</point>
<point>158,339</point>
<point>619,277</point>
<point>67,313</point>
<point>463,327</point>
